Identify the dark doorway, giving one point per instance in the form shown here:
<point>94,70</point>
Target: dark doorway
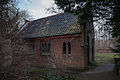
<point>92,49</point>
<point>88,55</point>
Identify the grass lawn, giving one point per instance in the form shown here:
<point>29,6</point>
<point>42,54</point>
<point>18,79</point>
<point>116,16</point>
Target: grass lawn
<point>104,58</point>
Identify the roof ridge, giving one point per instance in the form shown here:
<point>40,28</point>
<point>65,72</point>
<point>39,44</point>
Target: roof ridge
<point>47,17</point>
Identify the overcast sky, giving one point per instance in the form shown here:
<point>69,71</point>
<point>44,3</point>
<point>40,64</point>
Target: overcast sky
<point>36,8</point>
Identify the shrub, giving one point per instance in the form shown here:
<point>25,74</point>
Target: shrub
<point>52,76</point>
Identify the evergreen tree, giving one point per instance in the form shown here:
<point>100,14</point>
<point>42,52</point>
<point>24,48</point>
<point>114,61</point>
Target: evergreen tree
<point>115,23</point>
<point>107,10</point>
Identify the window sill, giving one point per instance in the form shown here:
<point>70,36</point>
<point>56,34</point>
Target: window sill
<point>44,54</point>
<point>69,55</point>
<point>31,53</point>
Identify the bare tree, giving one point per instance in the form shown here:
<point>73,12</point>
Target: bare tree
<point>13,50</point>
<point>60,61</point>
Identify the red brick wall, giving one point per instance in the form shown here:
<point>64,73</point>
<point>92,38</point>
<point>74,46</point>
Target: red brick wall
<point>76,59</point>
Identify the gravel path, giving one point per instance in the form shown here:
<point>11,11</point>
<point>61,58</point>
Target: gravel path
<point>102,68</point>
<point>98,76</point>
<point>101,72</point>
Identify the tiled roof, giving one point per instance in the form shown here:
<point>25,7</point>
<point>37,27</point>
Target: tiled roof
<point>60,24</point>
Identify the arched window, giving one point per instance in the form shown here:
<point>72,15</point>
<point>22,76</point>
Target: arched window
<point>69,48</point>
<point>42,47</point>
<point>45,47</point>
<point>48,47</point>
<point>32,47</point>
<point>64,48</point>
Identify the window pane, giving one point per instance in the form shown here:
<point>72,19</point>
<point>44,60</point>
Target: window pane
<point>42,47</point>
<point>45,47</point>
<point>48,47</point>
<point>32,47</point>
<point>64,48</point>
<point>69,48</point>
